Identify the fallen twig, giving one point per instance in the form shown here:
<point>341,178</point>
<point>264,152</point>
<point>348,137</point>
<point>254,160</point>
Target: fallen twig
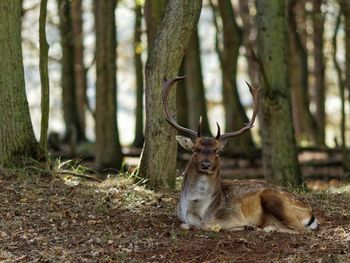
<point>86,176</point>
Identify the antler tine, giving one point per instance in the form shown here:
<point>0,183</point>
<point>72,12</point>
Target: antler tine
<point>256,98</point>
<point>167,84</point>
<point>199,127</point>
<point>217,137</point>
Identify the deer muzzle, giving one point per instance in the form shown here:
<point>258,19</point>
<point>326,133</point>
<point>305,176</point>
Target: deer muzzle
<point>206,164</point>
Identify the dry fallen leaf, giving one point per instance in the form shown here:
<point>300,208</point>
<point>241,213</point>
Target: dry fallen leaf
<point>3,234</point>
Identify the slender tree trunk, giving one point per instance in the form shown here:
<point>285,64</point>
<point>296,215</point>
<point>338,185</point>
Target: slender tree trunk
<point>74,131</point>
<point>295,69</point>
<point>108,149</point>
<point>158,160</point>
<point>249,40</point>
<point>138,141</point>
<point>79,66</point>
<point>195,88</point>
<point>17,139</point>
<point>319,70</point>
<point>44,77</point>
<point>301,95</point>
<point>235,115</point>
<point>345,8</point>
<point>279,149</point>
<point>341,84</point>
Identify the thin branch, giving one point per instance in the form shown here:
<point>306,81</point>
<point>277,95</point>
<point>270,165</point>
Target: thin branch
<point>44,77</point>
<point>86,176</point>
<point>88,105</point>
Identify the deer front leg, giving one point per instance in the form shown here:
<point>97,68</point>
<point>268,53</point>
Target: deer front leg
<point>194,220</point>
<point>186,213</point>
<point>198,223</point>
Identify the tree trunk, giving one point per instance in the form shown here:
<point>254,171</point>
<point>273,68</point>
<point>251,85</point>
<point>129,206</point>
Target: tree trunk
<point>295,69</point>
<point>44,77</point>
<point>300,80</point>
<point>249,40</point>
<point>341,84</point>
<point>319,70</point>
<point>194,86</point>
<point>108,149</point>
<point>74,131</point>
<point>79,66</point>
<point>345,8</point>
<point>17,139</point>
<point>235,115</point>
<point>158,160</point>
<point>279,149</point>
<point>138,141</point>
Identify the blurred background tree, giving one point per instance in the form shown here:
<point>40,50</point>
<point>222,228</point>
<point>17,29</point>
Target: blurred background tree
<point>108,148</point>
<point>73,127</point>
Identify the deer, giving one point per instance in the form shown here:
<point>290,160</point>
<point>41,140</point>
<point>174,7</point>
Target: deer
<point>208,202</point>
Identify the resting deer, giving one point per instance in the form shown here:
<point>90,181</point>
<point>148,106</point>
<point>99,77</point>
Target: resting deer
<point>210,203</point>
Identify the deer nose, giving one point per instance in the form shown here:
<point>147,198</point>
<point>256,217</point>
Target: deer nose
<point>205,164</point>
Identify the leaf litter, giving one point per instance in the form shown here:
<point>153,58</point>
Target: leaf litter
<point>70,219</point>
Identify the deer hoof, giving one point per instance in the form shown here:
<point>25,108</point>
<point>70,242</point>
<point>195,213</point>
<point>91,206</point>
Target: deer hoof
<point>215,228</point>
<point>184,226</point>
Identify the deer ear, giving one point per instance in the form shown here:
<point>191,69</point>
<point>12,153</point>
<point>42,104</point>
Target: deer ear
<point>185,142</point>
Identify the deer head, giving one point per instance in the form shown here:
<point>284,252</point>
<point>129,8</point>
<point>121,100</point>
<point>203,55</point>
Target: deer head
<point>205,150</point>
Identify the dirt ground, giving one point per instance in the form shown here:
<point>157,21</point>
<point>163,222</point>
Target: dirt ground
<point>66,219</point>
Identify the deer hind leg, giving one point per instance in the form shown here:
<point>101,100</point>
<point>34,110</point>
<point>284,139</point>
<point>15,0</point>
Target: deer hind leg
<point>288,209</point>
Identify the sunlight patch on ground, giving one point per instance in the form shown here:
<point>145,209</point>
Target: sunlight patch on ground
<point>340,190</point>
<point>126,193</point>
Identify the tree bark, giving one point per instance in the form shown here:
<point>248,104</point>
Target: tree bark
<point>74,131</point>
<point>235,115</point>
<point>44,78</point>
<point>158,160</point>
<point>279,149</point>
<point>108,149</point>
<point>138,141</point>
<point>17,139</point>
<point>194,86</point>
<point>319,70</point>
<point>79,65</point>
<point>153,12</point>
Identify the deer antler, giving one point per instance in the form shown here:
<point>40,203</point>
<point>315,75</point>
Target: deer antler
<point>256,98</point>
<point>167,84</point>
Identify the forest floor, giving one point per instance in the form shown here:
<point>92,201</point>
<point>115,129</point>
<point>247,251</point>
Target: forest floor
<point>50,218</point>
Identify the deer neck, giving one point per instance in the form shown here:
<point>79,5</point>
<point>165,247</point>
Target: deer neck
<point>201,195</point>
<point>202,185</point>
